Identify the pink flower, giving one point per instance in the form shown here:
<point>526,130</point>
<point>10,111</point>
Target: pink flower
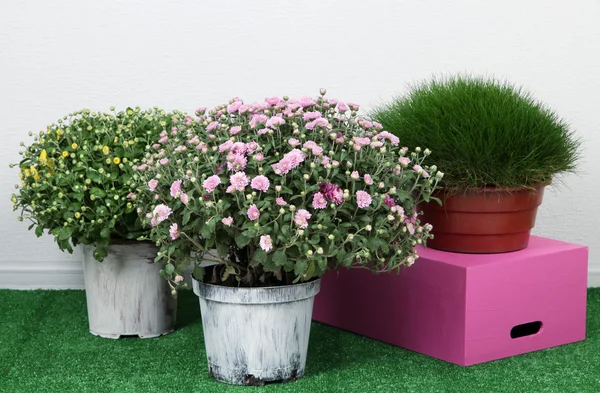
<point>308,116</point>
<point>163,139</point>
<point>332,192</point>
<point>363,199</point>
<point>184,198</point>
<point>316,149</point>
<point>280,201</point>
<point>211,183</point>
<point>272,101</point>
<point>320,122</point>
<point>289,161</point>
<point>354,107</point>
<point>179,278</point>
<point>306,102</point>
<point>259,157</point>
<point>411,228</point>
<point>235,130</point>
<point>342,107</point>
<point>263,131</point>
<point>176,189</point>
<point>293,142</point>
<point>225,146</point>
<point>238,148</point>
<point>417,168</point>
<point>260,183</point>
<point>266,243</point>
<point>256,119</point>
<point>233,107</point>
<point>361,141</point>
<point>131,195</point>
<point>212,126</point>
<point>164,161</point>
<point>239,181</point>
<point>368,180</point>
<point>376,144</point>
<point>301,218</point>
<point>152,184</point>
<point>180,148</point>
<point>174,231</point>
<point>319,201</point>
<point>237,163</point>
<point>389,201</point>
<point>251,147</point>
<point>275,121</point>
<point>160,213</point>
<point>230,189</point>
<point>227,221</point>
<point>355,175</point>
<point>324,160</point>
<point>386,135</point>
<point>253,212</point>
<point>404,161</point>
<point>377,125</point>
<point>243,109</point>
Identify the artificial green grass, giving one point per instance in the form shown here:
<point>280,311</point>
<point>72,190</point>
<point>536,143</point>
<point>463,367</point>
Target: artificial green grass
<point>45,346</point>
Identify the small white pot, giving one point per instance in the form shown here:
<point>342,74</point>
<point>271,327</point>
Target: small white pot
<point>256,335</point>
<point>125,294</point>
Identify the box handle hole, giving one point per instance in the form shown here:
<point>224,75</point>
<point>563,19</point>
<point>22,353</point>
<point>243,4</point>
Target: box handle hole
<point>526,329</point>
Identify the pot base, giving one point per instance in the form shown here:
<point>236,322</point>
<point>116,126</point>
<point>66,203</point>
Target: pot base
<point>241,378</point>
<point>116,336</point>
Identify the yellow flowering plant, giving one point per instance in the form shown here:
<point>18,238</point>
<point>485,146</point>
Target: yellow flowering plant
<point>77,177</point>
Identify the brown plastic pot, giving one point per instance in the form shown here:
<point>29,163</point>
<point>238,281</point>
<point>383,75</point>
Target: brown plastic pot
<point>483,220</point>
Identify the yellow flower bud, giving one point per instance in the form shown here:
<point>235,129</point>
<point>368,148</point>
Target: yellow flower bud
<point>65,154</point>
<point>116,160</point>
<point>74,146</point>
<point>105,150</point>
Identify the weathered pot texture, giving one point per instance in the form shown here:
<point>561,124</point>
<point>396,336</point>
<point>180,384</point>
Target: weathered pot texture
<point>125,294</point>
<point>256,335</point>
<point>483,221</point>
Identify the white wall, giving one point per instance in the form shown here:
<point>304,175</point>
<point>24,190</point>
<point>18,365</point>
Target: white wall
<point>63,55</point>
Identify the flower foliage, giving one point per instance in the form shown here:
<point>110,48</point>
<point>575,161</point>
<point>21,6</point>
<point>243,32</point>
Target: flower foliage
<point>277,192</point>
<point>77,177</point>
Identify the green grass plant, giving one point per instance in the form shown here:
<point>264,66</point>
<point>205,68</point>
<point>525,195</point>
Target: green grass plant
<point>483,132</point>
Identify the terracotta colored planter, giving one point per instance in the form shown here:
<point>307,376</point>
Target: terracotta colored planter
<point>483,221</point>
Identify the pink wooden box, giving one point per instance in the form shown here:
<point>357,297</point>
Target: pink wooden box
<point>466,308</point>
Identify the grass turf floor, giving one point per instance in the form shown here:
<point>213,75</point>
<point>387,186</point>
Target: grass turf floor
<point>45,347</point>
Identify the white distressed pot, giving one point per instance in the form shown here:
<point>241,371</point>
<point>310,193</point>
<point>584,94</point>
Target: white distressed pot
<point>256,335</point>
<point>125,294</point>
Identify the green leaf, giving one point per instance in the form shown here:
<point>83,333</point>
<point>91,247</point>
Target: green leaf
<point>300,267</point>
<point>65,233</point>
<point>222,249</point>
<point>105,232</point>
<point>373,243</point>
<point>186,217</point>
<point>258,258</point>
<point>169,269</point>
<point>97,192</point>
<point>310,271</point>
<point>285,230</point>
<point>279,258</point>
<point>403,195</point>
<point>94,176</point>
<point>198,273</point>
<point>438,200</point>
<point>242,241</point>
<point>39,231</point>
<point>315,240</point>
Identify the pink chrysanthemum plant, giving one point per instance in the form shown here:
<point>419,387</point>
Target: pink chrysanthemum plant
<point>278,192</point>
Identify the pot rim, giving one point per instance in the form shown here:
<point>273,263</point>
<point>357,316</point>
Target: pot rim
<point>482,190</point>
<point>256,295</point>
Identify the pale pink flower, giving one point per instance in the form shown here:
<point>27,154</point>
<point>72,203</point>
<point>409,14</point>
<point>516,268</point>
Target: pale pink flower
<point>176,189</point>
<point>363,199</point>
<point>308,116</point>
<point>164,161</point>
<point>212,126</point>
<point>316,149</point>
<point>152,184</point>
<point>179,278</point>
<point>233,107</point>
<point>259,157</point>
<point>332,101</point>
<point>320,122</point>
<point>174,231</point>
<point>194,141</point>
<point>230,189</point>
<point>361,141</point>
<point>289,161</point>
<point>306,102</point>
<point>324,160</point>
<point>235,130</point>
<point>377,125</point>
<point>417,168</point>
<point>256,119</point>
<point>342,107</point>
<point>237,163</point>
<point>411,228</point>
<point>164,139</point>
<point>238,148</point>
<point>319,201</point>
<point>354,107</point>
<point>243,109</point>
<point>260,183</point>
<point>253,212</point>
<point>275,121</point>
<point>211,183</point>
<point>142,167</point>
<point>131,195</point>
<point>263,131</point>
<point>180,148</point>
<point>293,142</point>
<point>185,199</point>
<point>386,135</point>
<point>272,101</point>
<point>251,147</point>
<point>227,221</point>
<point>266,243</point>
<point>225,146</point>
<point>301,218</point>
<point>376,144</point>
<point>239,181</point>
<point>368,180</point>
<point>160,213</point>
<point>280,201</point>
<point>355,175</point>
<point>404,161</point>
